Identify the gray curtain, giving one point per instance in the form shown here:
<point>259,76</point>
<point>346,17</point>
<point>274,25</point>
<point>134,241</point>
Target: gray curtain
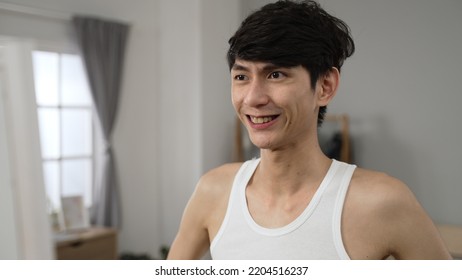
<point>102,44</point>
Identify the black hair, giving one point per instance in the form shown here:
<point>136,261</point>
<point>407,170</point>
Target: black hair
<point>292,33</point>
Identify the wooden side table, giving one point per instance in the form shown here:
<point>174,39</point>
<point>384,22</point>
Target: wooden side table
<point>88,244</point>
<point>452,237</point>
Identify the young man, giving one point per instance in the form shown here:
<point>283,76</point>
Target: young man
<point>294,202</point>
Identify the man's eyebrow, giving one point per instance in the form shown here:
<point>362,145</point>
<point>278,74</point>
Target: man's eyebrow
<point>239,67</point>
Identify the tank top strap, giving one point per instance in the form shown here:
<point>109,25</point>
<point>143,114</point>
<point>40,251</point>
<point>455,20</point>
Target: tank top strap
<point>241,179</point>
<point>348,170</point>
<point>245,173</point>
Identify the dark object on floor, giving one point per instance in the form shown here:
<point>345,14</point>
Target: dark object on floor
<point>132,256</point>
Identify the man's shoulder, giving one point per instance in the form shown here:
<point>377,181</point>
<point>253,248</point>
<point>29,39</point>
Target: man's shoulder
<point>218,180</point>
<point>212,195</point>
<point>379,190</point>
<point>376,208</point>
<point>383,217</point>
<point>370,178</point>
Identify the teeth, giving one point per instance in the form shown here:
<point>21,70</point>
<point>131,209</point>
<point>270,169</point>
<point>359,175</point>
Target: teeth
<point>259,120</point>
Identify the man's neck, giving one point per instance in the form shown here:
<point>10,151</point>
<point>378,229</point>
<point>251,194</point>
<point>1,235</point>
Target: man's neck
<point>287,170</point>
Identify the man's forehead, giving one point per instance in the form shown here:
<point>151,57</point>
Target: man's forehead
<point>242,64</point>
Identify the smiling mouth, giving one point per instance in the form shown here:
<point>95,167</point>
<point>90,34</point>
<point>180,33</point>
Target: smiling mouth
<point>261,120</point>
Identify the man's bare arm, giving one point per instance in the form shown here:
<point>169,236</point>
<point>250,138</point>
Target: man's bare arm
<point>415,236</point>
<point>382,217</point>
<point>192,239</point>
<point>204,213</point>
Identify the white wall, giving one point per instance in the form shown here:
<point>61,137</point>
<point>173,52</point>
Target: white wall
<point>195,113</point>
<point>220,19</point>
<point>179,162</point>
<point>402,91</point>
<point>8,235</point>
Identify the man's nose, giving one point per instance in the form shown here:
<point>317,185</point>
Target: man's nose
<point>256,94</point>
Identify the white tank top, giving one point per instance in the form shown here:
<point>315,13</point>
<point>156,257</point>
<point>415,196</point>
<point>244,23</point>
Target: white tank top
<point>315,234</point>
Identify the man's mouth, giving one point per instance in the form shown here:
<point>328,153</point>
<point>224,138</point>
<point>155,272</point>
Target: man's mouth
<point>262,120</point>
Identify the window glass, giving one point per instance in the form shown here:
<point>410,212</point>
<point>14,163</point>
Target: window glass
<point>65,114</point>
<point>74,86</point>
<point>76,132</point>
<point>46,75</point>
<point>77,174</point>
<point>49,132</point>
<point>52,182</point>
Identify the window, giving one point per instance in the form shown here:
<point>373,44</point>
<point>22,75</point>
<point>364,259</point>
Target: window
<point>66,126</point>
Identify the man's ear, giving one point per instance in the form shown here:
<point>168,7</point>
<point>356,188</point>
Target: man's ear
<point>327,86</point>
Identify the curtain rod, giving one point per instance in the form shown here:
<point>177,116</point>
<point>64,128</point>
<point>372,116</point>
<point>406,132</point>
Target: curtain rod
<point>35,11</point>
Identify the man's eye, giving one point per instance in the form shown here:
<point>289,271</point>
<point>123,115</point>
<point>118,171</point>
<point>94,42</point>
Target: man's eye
<point>240,77</point>
<point>276,75</point>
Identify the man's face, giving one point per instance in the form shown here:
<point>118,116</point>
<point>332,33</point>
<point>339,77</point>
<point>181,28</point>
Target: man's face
<point>276,104</point>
